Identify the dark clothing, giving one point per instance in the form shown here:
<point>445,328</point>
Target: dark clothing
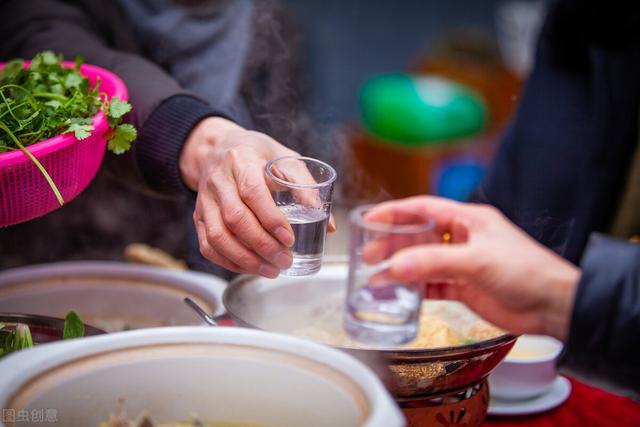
<point>605,329</point>
<point>88,28</point>
<point>204,47</point>
<point>107,216</point>
<point>562,165</point>
<point>560,170</point>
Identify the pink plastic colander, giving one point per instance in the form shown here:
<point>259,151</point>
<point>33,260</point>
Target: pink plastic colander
<point>72,164</point>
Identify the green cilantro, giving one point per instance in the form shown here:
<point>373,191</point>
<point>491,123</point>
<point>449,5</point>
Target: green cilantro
<point>118,108</point>
<point>72,81</point>
<point>81,128</point>
<point>116,111</point>
<point>47,99</point>
<point>122,137</point>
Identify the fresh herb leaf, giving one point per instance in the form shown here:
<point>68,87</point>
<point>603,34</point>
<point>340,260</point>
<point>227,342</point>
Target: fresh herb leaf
<point>122,137</point>
<point>47,99</point>
<point>81,128</point>
<point>73,326</point>
<point>72,81</point>
<point>78,62</point>
<point>12,68</point>
<point>116,111</point>
<point>118,108</point>
<point>53,104</point>
<point>49,58</point>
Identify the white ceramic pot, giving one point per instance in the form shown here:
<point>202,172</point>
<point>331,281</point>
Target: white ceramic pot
<point>110,295</point>
<point>529,369</point>
<point>220,374</point>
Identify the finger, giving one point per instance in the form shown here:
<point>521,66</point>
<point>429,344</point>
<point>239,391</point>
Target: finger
<point>460,228</point>
<point>295,175</point>
<point>430,261</point>
<point>244,225</point>
<point>209,253</point>
<point>381,248</point>
<point>375,251</point>
<point>442,211</point>
<point>293,171</point>
<point>331,227</point>
<point>226,244</point>
<point>381,278</point>
<point>253,192</point>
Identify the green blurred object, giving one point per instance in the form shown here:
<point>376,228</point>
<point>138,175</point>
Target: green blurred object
<point>417,110</point>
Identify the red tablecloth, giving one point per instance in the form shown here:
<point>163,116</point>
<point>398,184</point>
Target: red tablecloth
<point>586,406</point>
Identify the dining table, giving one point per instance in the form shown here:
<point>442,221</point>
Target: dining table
<point>587,405</point>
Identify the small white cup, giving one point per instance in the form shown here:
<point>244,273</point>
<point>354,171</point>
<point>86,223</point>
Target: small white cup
<point>529,369</point>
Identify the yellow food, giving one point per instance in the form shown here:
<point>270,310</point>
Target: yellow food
<point>441,324</point>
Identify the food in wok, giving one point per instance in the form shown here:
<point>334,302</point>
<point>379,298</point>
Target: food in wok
<point>442,324</point>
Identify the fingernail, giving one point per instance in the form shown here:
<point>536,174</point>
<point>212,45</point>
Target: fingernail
<point>269,271</point>
<point>285,236</point>
<point>283,260</point>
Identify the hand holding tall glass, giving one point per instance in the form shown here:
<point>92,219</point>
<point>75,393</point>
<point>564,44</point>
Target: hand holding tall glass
<point>302,188</point>
<point>380,310</point>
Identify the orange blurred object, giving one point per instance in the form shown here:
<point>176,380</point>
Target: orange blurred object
<point>470,57</point>
<point>381,171</point>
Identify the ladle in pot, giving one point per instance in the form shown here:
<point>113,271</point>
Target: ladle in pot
<point>203,314</point>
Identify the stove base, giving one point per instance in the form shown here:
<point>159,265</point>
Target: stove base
<point>466,407</point>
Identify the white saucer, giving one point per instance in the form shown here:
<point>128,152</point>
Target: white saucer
<point>559,392</point>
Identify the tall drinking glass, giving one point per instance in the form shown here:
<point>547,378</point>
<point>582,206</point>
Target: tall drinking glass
<point>302,188</point>
<point>379,309</point>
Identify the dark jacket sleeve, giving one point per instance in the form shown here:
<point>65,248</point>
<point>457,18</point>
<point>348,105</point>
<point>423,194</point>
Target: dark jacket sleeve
<point>604,337</point>
<point>98,32</point>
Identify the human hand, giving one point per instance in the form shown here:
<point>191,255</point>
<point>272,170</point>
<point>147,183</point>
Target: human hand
<point>238,224</point>
<point>492,266</point>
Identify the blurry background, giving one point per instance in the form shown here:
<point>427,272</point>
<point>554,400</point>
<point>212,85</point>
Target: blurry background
<point>410,97</point>
<point>410,132</point>
<point>404,97</point>
<point>347,41</point>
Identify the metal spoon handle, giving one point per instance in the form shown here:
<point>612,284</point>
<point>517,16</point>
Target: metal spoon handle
<point>203,314</point>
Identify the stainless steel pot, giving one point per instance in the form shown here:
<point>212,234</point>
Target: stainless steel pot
<point>285,304</point>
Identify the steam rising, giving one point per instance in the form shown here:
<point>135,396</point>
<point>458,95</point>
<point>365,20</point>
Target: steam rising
<point>275,93</point>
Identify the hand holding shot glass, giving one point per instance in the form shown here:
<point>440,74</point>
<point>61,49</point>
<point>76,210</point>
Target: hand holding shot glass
<point>302,188</point>
<point>379,309</point>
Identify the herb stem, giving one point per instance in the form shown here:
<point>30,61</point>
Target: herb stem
<point>49,95</point>
<point>36,162</point>
<point>9,108</point>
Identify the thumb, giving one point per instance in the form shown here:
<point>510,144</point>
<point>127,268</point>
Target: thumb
<point>432,260</point>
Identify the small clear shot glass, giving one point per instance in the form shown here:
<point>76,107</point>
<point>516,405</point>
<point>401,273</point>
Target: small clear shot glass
<point>302,188</point>
<point>381,310</point>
